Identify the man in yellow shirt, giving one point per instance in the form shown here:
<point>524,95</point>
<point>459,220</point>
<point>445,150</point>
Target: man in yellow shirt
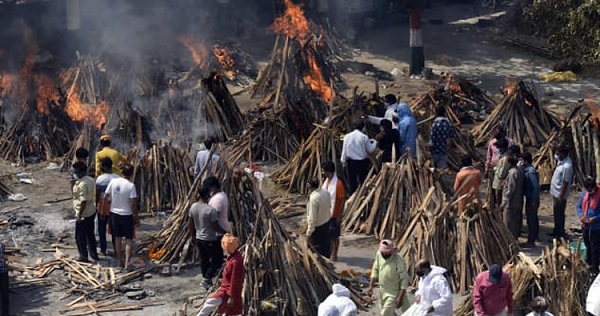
<point>389,271</point>
<point>318,211</point>
<point>85,213</point>
<point>111,153</point>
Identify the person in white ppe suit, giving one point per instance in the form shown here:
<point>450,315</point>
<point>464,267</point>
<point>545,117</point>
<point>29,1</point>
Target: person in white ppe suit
<point>434,294</point>
<point>592,304</point>
<point>338,303</point>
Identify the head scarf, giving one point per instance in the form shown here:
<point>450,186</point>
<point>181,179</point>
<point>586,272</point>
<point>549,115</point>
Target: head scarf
<point>230,243</point>
<point>386,246</point>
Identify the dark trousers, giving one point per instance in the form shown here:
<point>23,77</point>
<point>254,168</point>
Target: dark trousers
<point>4,293</point>
<point>321,241</point>
<point>211,257</point>
<point>559,217</point>
<point>417,60</point>
<point>591,239</point>
<point>102,222</point>
<point>357,173</point>
<point>533,222</point>
<point>85,238</point>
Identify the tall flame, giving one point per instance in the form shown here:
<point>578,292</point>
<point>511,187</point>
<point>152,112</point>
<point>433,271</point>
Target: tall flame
<point>314,78</point>
<point>46,93</point>
<point>79,112</point>
<point>292,23</point>
<point>225,59</point>
<point>197,49</point>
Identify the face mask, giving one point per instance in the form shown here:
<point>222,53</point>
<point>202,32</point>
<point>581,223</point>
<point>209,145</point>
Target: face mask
<point>386,256</point>
<point>556,157</point>
<point>420,274</point>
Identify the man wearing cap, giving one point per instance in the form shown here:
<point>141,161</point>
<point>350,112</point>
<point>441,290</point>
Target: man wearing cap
<point>318,211</point>
<point>391,103</point>
<point>389,270</point>
<point>111,153</point>
<point>588,210</point>
<point>227,300</point>
<point>492,293</point>
<point>560,189</point>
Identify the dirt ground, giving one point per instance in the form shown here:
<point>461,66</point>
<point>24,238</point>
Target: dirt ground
<point>456,45</point>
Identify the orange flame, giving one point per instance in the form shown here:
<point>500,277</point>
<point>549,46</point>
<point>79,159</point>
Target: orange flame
<point>509,86</point>
<point>225,59</point>
<point>292,23</point>
<point>79,112</point>
<point>46,93</point>
<point>197,49</point>
<point>314,78</point>
<point>6,83</point>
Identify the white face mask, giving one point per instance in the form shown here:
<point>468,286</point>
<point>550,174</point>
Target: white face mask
<point>556,157</point>
<point>538,313</point>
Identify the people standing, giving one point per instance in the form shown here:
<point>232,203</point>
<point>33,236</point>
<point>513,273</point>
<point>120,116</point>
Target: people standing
<point>102,182</point>
<point>434,293</point>
<point>204,160</point>
<point>492,158</point>
<point>407,128</point>
<point>81,155</point>
<point>203,227</point>
<point>500,171</point>
<point>356,149</point>
<point>539,307</point>
<point>227,299</point>
<point>391,103</point>
<point>220,201</point>
<point>113,154</point>
<point>512,197</point>
<point>467,182</point>
<point>123,213</point>
<point>560,187</point>
<point>442,133</point>
<point>335,187</point>
<point>5,297</point>
<point>388,140</point>
<point>531,190</point>
<point>318,211</point>
<point>338,303</point>
<point>492,293</point>
<point>85,213</point>
<point>389,270</point>
<point>588,210</point>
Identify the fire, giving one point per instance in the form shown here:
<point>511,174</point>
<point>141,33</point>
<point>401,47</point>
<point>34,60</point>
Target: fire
<point>292,23</point>
<point>6,83</point>
<point>197,49</point>
<point>225,59</point>
<point>509,86</point>
<point>314,78</point>
<point>79,112</point>
<point>46,93</point>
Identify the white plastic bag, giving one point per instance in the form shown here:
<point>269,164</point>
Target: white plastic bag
<point>415,310</point>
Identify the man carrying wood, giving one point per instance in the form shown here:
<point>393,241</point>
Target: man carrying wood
<point>123,213</point>
<point>85,213</point>
<point>492,293</point>
<point>318,211</point>
<point>389,271</point>
<point>356,149</point>
<point>102,182</point>
<point>560,187</point>
<point>434,293</point>
<point>204,160</point>
<point>531,190</point>
<point>113,154</point>
<point>227,300</point>
<point>588,210</point>
<point>335,187</point>
<point>442,133</point>
<point>203,227</point>
<point>512,197</point>
<point>467,183</point>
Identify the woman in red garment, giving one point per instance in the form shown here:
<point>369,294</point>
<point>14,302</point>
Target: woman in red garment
<point>228,298</point>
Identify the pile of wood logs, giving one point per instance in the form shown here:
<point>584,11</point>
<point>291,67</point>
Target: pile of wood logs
<point>382,205</point>
<point>89,138</point>
<point>559,275</point>
<point>470,103</point>
<point>526,122</point>
<point>89,80</point>
<point>288,206</point>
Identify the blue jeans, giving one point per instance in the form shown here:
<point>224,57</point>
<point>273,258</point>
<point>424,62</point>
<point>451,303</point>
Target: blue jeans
<point>102,232</point>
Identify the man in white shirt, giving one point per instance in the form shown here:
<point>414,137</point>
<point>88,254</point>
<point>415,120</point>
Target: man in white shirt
<point>318,211</point>
<point>560,189</point>
<point>391,103</point>
<point>355,155</point>
<point>204,160</point>
<point>434,294</point>
<point>102,182</point>
<point>123,213</point>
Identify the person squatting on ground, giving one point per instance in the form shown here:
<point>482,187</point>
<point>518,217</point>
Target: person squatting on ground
<point>122,196</point>
<point>389,270</point>
<point>492,293</point>
<point>434,293</point>
<point>103,218</point>
<point>85,212</point>
<point>356,148</point>
<point>318,212</point>
<point>588,210</point>
<point>335,187</point>
<point>531,190</point>
<point>203,227</point>
<point>338,303</point>
<point>228,298</point>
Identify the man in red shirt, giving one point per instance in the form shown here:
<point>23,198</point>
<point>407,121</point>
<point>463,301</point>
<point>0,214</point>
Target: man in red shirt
<point>227,299</point>
<point>492,293</point>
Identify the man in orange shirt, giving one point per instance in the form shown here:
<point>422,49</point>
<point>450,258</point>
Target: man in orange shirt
<point>468,181</point>
<point>335,187</point>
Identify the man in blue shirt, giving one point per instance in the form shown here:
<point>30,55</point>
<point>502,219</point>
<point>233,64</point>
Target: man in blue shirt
<point>588,210</point>
<point>442,132</point>
<point>531,189</point>
<point>560,188</point>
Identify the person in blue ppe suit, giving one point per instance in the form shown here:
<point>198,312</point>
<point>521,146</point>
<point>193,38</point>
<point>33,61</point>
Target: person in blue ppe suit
<point>407,128</point>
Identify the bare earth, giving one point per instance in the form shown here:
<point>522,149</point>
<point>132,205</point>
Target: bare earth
<point>455,46</point>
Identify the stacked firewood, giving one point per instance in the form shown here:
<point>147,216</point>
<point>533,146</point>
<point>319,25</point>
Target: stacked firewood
<point>288,206</point>
<point>526,122</point>
<point>89,138</point>
<point>470,103</point>
<point>560,275</point>
<point>382,205</point>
